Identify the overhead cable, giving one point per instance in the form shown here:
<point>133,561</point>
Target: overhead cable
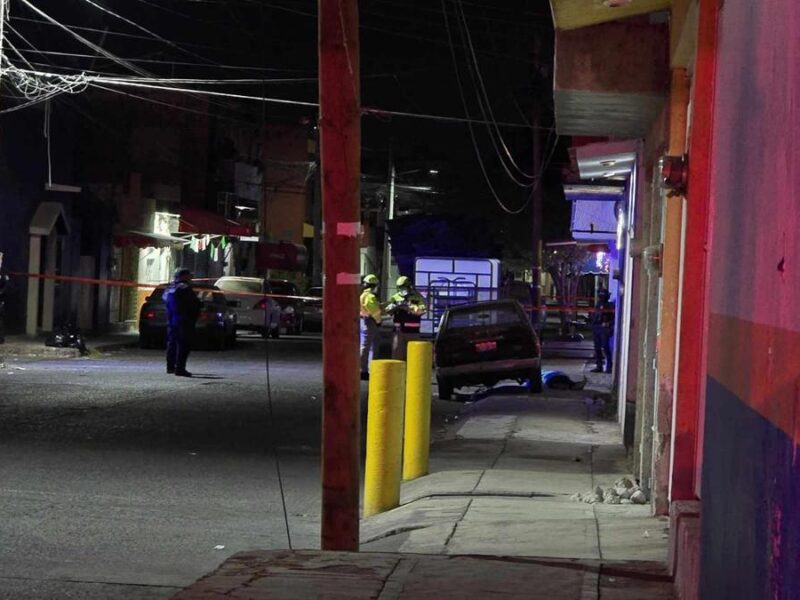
<point>469,124</point>
<point>486,105</point>
<point>147,31</point>
<point>99,49</point>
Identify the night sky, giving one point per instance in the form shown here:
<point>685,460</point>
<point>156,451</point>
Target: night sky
<point>407,65</point>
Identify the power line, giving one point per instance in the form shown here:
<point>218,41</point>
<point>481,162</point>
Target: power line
<point>168,62</point>
<point>471,130</point>
<point>147,31</point>
<point>486,106</point>
<point>86,42</point>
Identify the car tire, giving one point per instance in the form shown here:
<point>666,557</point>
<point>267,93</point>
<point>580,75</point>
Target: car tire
<point>445,388</point>
<point>218,343</point>
<point>144,342</point>
<point>275,333</point>
<point>536,381</point>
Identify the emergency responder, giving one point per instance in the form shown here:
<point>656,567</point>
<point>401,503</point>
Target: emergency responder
<point>407,307</point>
<point>602,322</point>
<point>371,314</point>
<point>183,308</point>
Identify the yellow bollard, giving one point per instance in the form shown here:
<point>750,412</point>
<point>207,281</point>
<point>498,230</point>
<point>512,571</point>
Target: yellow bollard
<point>387,380</point>
<point>418,410</point>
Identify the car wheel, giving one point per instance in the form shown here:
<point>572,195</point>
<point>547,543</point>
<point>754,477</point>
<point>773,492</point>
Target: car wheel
<point>232,340</point>
<point>445,389</point>
<point>218,342</point>
<point>536,381</point>
<point>144,342</point>
<point>275,333</point>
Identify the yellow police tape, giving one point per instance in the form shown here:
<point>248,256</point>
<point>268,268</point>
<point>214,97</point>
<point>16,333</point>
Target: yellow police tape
<point>418,410</point>
<point>387,380</point>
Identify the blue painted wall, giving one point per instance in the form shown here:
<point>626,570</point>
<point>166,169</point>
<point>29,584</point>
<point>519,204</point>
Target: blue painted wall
<point>751,505</point>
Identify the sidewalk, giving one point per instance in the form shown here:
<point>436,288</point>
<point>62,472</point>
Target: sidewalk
<point>497,517</point>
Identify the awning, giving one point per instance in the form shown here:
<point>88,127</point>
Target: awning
<point>205,222</point>
<point>141,239</point>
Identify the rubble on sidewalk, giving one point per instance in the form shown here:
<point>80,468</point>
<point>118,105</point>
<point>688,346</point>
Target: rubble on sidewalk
<point>624,491</point>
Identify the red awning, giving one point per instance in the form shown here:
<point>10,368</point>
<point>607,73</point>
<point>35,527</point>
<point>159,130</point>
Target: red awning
<point>141,239</point>
<point>205,222</point>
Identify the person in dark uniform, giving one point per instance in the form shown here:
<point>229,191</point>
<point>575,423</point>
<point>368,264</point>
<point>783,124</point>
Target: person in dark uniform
<point>602,322</point>
<point>183,308</point>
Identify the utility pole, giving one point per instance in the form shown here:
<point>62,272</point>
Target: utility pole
<point>537,199</point>
<point>387,246</point>
<point>536,225</point>
<point>340,160</point>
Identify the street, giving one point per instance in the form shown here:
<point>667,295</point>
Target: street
<point>119,481</point>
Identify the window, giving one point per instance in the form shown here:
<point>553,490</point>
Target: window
<point>484,316</point>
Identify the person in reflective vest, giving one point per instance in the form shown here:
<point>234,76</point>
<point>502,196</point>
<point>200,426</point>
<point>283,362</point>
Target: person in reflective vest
<point>371,313</point>
<point>407,307</point>
<point>183,308</point>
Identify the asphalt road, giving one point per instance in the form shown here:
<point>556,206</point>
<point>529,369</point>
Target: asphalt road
<point>119,481</point>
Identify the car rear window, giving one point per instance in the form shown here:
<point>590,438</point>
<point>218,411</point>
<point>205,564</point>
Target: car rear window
<point>483,317</point>
<point>283,289</point>
<point>234,285</point>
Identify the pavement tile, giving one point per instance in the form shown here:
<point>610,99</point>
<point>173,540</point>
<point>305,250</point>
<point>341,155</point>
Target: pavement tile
<point>521,509</point>
<point>507,482</point>
<point>417,515</point>
<point>532,448</point>
<point>561,538</point>
<point>544,465</point>
<point>629,531</point>
<point>465,578</point>
<point>443,483</point>
<point>486,427</point>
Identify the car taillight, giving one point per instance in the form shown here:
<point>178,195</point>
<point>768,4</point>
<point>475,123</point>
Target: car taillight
<point>262,304</point>
<point>150,314</point>
<point>210,316</point>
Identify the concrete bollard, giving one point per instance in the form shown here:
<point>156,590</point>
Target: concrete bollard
<point>416,451</point>
<point>387,380</point>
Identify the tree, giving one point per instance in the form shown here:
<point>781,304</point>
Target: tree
<point>565,264</point>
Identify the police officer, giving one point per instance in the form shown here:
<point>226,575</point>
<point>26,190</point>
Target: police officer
<point>602,322</point>
<point>183,308</point>
<point>407,307</point>
<point>371,314</point>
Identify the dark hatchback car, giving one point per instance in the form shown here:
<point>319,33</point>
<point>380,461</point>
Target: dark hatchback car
<point>484,343</point>
<point>216,324</point>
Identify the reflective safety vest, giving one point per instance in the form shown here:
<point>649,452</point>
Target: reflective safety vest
<point>370,306</point>
<point>409,308</point>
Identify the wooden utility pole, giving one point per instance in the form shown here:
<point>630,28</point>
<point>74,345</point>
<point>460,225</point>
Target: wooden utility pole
<point>536,222</point>
<point>340,157</point>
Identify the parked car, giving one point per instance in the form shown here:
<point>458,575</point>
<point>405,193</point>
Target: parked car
<point>255,310</point>
<point>312,316</point>
<point>483,343</point>
<point>292,309</point>
<point>216,324</point>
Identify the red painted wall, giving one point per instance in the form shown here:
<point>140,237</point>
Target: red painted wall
<point>751,468</point>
